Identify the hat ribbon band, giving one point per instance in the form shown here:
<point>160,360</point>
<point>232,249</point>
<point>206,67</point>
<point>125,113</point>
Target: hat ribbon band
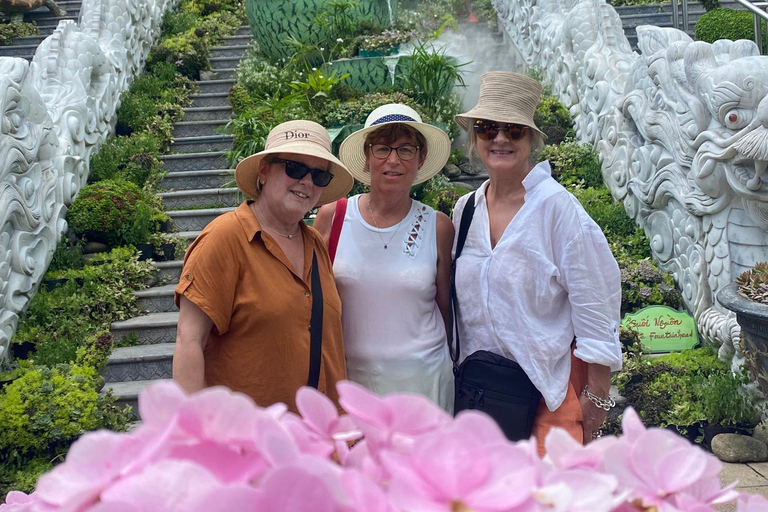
<point>389,118</point>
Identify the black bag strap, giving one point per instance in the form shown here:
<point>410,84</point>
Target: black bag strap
<point>315,327</point>
<point>466,220</point>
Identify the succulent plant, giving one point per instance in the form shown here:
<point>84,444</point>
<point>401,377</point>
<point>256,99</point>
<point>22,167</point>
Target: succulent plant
<point>753,284</point>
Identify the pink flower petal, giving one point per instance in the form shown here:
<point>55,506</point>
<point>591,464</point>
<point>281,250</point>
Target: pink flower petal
<point>317,409</point>
<point>159,402</point>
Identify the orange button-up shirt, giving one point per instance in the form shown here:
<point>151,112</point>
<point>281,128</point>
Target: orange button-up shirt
<point>261,309</point>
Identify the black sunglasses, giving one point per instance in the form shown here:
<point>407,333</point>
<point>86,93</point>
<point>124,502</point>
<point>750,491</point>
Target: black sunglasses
<point>488,130</point>
<point>297,170</point>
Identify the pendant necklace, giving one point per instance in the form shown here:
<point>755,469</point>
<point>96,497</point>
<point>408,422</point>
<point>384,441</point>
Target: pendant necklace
<point>379,229</point>
<point>289,236</point>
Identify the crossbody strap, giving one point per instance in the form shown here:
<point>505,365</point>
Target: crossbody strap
<point>315,327</point>
<point>338,222</point>
<point>466,220</point>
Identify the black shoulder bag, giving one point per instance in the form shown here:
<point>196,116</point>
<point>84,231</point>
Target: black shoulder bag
<point>486,381</point>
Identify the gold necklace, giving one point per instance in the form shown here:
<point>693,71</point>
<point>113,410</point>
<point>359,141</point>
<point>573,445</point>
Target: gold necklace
<point>289,236</point>
<point>379,229</point>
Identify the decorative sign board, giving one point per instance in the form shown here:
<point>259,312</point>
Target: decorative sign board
<point>663,329</point>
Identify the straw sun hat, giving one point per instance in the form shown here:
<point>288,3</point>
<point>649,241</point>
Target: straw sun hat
<point>297,138</point>
<point>505,97</point>
<point>438,143</point>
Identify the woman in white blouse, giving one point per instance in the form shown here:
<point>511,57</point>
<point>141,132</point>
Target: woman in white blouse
<point>536,281</point>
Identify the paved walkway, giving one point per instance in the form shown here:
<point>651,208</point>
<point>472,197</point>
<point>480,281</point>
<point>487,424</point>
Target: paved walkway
<point>752,478</point>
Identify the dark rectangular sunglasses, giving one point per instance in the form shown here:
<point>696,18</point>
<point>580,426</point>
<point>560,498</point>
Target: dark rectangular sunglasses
<point>297,170</point>
<point>488,130</point>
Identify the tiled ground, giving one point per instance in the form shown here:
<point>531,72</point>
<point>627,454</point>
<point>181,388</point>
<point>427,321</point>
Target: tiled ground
<point>752,478</point>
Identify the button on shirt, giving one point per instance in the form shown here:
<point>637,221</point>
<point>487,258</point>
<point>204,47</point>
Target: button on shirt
<point>550,277</point>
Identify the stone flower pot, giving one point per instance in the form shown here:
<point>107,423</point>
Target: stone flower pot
<point>273,21</point>
<point>753,319</point>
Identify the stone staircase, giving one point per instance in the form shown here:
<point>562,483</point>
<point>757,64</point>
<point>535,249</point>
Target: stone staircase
<point>25,47</point>
<point>195,193</point>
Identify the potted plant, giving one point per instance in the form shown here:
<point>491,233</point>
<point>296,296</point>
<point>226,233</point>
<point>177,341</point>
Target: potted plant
<point>748,298</point>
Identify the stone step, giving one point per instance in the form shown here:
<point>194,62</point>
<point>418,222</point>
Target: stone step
<point>158,299</point>
<point>229,51</point>
<point>24,51</point>
<point>196,220</point>
<point>212,86</point>
<point>218,63</point>
<point>199,128</point>
<point>195,161</point>
<point>226,73</point>
<point>169,270</point>
<point>222,113</point>
<point>239,40</point>
<point>244,30</point>
<point>202,143</point>
<point>43,14</point>
<point>216,99</point>
<point>127,393</point>
<point>148,329</point>
<point>143,362</point>
<point>35,40</point>
<point>190,180</point>
<point>195,199</point>
<point>189,236</point>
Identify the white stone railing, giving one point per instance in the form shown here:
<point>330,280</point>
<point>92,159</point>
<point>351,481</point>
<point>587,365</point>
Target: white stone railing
<point>56,112</point>
<point>682,132</point>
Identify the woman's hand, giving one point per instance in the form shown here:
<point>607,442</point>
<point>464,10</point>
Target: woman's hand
<point>592,416</point>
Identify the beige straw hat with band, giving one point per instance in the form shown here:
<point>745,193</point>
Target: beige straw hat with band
<point>505,97</point>
<point>438,143</point>
<point>297,138</point>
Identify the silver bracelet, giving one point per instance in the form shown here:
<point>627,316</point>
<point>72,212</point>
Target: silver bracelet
<point>603,403</point>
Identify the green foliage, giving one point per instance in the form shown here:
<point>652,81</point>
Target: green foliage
<point>24,479</point>
<point>444,200</point>
<point>432,76</point>
<point>753,284</point>
<point>457,156</point>
<point>336,17</point>
<point>686,388</point>
<point>68,254</point>
<point>317,86</point>
<point>356,110</point>
<point>725,24</point>
<point>113,211</point>
<point>484,10</point>
<point>10,31</point>
<point>574,164</point>
<point>553,119</point>
<point>618,3</point>
<point>386,41</point>
<point>60,321</point>
<point>643,284</point>
<point>710,5</point>
<point>178,22</point>
<point>259,78</point>
<point>47,408</point>
<point>133,158</point>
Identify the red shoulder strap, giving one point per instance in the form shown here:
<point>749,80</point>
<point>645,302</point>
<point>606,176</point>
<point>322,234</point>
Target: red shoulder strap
<point>338,221</point>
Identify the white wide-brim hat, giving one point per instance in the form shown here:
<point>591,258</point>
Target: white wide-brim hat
<point>297,138</point>
<point>438,143</point>
<point>505,97</point>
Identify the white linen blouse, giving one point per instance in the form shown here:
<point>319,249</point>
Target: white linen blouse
<point>549,278</point>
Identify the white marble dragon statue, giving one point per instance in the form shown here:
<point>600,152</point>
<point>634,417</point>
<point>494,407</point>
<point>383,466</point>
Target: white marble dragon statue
<point>56,111</point>
<point>682,132</point>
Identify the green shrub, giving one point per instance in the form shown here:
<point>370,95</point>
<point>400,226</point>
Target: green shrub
<point>710,5</point>
<point>113,211</point>
<point>574,164</point>
<point>134,159</point>
<point>61,321</point>
<point>68,254</point>
<point>444,200</point>
<point>725,24</point>
<point>261,79</point>
<point>178,22</point>
<point>46,409</point>
<point>10,31</point>
<point>357,110</point>
<point>189,53</point>
<point>553,119</point>
<point>22,479</point>
<point>643,284</point>
<point>431,79</point>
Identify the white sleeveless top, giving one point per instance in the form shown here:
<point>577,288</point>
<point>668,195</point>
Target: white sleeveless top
<point>394,335</point>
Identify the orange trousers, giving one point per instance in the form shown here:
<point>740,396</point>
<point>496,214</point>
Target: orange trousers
<point>568,415</point>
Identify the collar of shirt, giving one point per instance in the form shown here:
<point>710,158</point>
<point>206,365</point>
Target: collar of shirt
<point>540,172</point>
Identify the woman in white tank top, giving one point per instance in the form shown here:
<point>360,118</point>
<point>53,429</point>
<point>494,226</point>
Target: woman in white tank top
<point>392,259</point>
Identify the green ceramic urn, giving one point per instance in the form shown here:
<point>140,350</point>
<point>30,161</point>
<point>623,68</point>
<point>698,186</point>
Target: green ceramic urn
<point>273,21</point>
